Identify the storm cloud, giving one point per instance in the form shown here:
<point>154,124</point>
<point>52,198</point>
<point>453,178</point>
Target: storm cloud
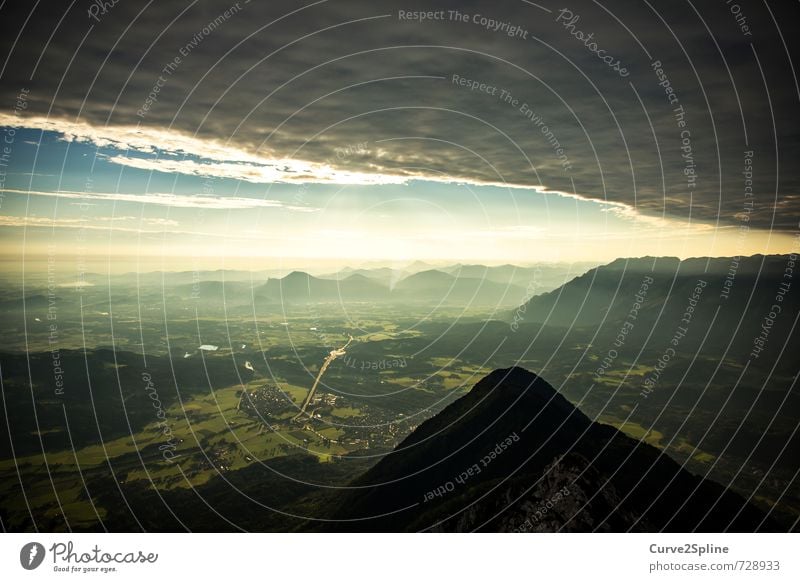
<point>681,109</point>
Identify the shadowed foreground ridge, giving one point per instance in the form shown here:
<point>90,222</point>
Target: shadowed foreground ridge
<point>515,455</point>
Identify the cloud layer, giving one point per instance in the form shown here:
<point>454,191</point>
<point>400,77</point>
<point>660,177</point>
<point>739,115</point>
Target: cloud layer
<point>284,92</point>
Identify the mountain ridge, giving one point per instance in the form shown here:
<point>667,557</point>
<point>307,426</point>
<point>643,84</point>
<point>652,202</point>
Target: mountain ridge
<point>487,460</point>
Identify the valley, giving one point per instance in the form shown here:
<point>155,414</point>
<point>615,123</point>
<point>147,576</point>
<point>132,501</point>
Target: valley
<point>217,396</point>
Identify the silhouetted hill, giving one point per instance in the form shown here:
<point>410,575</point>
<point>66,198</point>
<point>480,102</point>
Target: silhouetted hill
<point>513,454</point>
<point>298,287</point>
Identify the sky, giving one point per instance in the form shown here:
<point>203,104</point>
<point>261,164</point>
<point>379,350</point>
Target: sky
<point>254,135</point>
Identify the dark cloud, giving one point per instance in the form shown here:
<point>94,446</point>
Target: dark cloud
<point>301,80</point>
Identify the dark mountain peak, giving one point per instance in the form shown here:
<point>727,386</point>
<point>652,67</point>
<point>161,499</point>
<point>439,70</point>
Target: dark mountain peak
<point>509,376</point>
<point>492,459</point>
<point>518,386</point>
<point>513,377</point>
<point>505,401</point>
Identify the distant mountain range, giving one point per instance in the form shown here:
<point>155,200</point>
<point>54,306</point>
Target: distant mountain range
<point>464,285</point>
<point>457,284</point>
<point>299,287</point>
<point>426,286</point>
<point>515,455</point>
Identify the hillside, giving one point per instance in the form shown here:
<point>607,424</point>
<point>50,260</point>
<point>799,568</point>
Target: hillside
<point>514,455</point>
<point>729,298</point>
